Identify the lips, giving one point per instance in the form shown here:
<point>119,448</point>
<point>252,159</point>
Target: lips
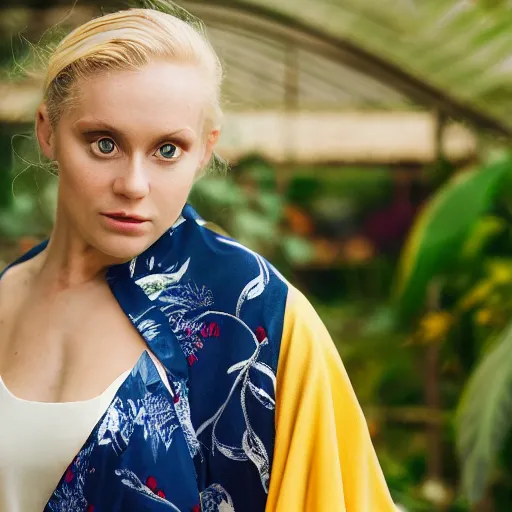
<point>124,217</point>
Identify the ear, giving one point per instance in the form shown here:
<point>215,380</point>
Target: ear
<point>44,132</point>
<point>211,141</point>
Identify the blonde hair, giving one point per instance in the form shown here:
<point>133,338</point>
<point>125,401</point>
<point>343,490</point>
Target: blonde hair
<point>130,39</point>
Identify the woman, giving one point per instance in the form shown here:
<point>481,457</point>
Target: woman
<point>146,362</point>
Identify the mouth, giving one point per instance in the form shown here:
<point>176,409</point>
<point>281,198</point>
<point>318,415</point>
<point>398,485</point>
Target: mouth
<point>125,217</point>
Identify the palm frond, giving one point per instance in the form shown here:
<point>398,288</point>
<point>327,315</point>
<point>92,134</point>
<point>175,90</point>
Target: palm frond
<point>484,417</point>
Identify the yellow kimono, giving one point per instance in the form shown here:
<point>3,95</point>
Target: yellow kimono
<point>257,412</point>
<point>323,458</point>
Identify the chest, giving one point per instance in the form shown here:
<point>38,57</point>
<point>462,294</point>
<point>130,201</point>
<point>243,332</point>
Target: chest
<point>68,346</point>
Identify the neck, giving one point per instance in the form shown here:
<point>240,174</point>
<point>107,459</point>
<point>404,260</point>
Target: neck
<point>69,261</point>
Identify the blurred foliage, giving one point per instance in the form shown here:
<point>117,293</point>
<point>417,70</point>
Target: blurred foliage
<point>462,241</point>
<point>485,412</point>
<point>435,243</point>
<point>28,197</point>
<point>246,204</point>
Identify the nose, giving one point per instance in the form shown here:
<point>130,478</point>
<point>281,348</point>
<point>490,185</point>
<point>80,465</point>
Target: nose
<point>133,182</point>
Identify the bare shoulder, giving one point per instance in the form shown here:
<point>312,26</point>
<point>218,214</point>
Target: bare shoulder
<point>15,283</point>
<point>15,287</point>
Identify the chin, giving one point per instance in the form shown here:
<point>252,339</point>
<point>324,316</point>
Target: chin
<point>124,248</point>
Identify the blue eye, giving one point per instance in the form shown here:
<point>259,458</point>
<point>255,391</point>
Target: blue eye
<point>168,151</point>
<point>106,146</point>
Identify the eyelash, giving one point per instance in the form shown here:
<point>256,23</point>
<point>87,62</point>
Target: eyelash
<point>99,153</point>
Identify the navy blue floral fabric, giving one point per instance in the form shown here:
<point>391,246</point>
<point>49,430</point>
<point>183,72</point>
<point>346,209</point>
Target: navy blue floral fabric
<point>212,312</point>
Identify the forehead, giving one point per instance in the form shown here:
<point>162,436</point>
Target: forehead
<point>161,96</point>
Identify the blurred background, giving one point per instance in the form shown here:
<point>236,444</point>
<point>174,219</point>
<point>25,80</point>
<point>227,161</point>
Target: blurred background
<point>369,149</point>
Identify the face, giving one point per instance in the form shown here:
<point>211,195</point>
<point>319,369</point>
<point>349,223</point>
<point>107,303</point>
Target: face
<point>128,153</point>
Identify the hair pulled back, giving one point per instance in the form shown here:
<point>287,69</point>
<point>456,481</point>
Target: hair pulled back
<point>128,40</point>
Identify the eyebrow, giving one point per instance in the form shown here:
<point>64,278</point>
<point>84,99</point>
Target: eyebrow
<point>100,127</point>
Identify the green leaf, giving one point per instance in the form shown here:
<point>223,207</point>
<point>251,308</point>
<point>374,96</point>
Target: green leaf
<point>484,416</point>
<point>297,250</point>
<point>440,231</point>
<point>272,205</point>
<point>219,192</point>
<point>482,233</point>
<point>22,218</point>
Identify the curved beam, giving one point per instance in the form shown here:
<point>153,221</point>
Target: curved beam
<point>282,27</point>
<point>276,25</point>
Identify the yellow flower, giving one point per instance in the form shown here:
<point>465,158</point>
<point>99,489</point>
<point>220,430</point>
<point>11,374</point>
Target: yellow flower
<point>434,326</point>
<point>501,272</point>
<point>476,295</point>
<point>483,316</point>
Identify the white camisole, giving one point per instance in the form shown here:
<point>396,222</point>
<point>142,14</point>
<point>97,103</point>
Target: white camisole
<point>38,441</point>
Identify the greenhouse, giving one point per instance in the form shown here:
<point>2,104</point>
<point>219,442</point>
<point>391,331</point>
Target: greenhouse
<point>368,150</point>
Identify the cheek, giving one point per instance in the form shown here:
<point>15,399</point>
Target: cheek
<point>85,182</point>
<point>79,181</point>
<point>170,191</point>
<point>175,187</point>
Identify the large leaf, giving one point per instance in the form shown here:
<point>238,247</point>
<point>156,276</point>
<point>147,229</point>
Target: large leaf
<point>441,230</point>
<point>485,416</point>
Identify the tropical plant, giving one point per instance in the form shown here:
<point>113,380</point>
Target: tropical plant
<point>485,412</point>
<point>450,252</point>
<point>435,243</point>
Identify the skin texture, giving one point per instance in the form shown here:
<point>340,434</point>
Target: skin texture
<point>133,143</point>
